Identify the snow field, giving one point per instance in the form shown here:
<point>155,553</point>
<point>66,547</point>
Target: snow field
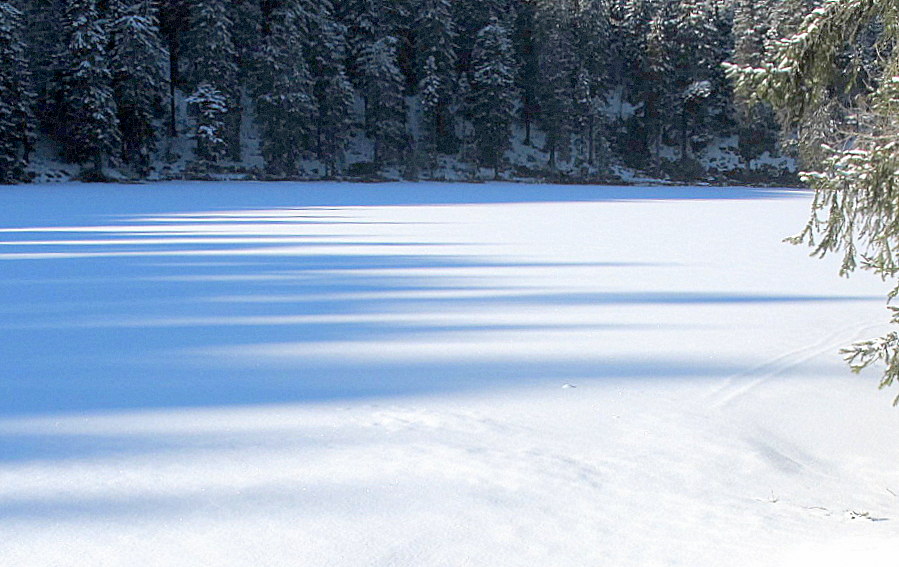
<point>335,374</point>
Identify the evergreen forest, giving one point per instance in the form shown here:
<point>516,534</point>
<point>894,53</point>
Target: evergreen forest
<point>292,89</point>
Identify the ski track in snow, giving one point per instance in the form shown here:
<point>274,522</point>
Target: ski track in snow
<point>400,374</point>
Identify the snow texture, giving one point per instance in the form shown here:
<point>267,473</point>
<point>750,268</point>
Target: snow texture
<point>401,374</point>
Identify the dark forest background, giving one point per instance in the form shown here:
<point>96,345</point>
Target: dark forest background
<point>589,85</point>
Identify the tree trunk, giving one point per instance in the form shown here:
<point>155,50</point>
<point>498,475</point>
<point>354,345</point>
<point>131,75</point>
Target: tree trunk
<point>591,143</point>
<point>173,78</point>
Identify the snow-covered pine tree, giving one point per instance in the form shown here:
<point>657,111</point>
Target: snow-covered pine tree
<point>364,24</point>
<point>558,65</point>
<point>138,65</point>
<point>854,160</point>
<point>471,16</point>
<point>527,66</point>
<point>592,34</point>
<point>16,97</point>
<point>660,94</point>
<point>702,45</point>
<point>90,130</point>
<point>42,33</point>
<point>632,20</point>
<point>174,22</point>
<point>491,104</point>
<point>326,49</point>
<point>430,89</point>
<point>751,31</point>
<point>435,68</point>
<point>385,108</point>
<point>210,107</point>
<point>757,124</point>
<point>285,104</point>
<point>247,33</point>
<point>212,64</point>
<point>587,115</point>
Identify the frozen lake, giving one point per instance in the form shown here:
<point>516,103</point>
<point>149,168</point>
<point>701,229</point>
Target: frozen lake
<point>433,374</point>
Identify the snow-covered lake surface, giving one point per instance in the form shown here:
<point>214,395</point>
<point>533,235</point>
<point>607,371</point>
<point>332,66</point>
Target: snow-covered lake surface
<point>392,375</point>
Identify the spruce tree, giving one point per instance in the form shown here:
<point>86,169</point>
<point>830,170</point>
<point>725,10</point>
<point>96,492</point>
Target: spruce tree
<point>285,105</point>
<point>42,32</point>
<point>435,68</point>
<point>853,157</point>
<point>492,98</point>
<point>212,58</point>
<point>472,16</point>
<point>16,97</point>
<point>364,24</point>
<point>326,48</point>
<point>558,65</point>
<point>757,124</point>
<point>90,130</point>
<point>210,107</point>
<point>660,95</point>
<point>138,61</point>
<point>592,36</point>
<point>385,108</point>
<point>174,23</point>
<point>528,72</point>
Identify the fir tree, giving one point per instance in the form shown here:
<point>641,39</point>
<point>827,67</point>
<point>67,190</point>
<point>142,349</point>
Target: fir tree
<point>90,130</point>
<point>174,22</point>
<point>435,69</point>
<point>383,91</point>
<point>213,59</point>
<point>471,16</point>
<point>492,98</point>
<point>285,105</point>
<point>592,36</point>
<point>16,97</point>
<point>363,26</point>
<point>853,161</point>
<point>210,107</point>
<point>138,61</point>
<point>527,65</point>
<point>326,48</point>
<point>557,63</point>
<point>44,20</point>
<point>587,114</point>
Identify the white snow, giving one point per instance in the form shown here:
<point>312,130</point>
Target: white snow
<point>435,374</point>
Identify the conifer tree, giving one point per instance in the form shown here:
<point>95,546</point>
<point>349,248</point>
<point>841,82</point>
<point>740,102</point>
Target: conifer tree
<point>752,31</point>
<point>285,105</point>
<point>90,130</point>
<point>210,107</point>
<point>853,161</point>
<point>436,67</point>
<point>528,72</point>
<point>326,48</point>
<point>138,60</point>
<point>42,32</point>
<point>16,97</point>
<point>363,26</point>
<point>174,23</point>
<point>558,64</point>
<point>472,16</point>
<point>385,108</point>
<point>592,36</point>
<point>587,114</point>
<point>212,58</point>
<point>492,98</point>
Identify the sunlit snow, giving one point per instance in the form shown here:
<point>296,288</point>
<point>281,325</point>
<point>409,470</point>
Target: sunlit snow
<point>403,374</point>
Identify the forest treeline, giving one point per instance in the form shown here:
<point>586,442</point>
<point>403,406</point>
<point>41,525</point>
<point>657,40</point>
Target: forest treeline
<point>593,82</point>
